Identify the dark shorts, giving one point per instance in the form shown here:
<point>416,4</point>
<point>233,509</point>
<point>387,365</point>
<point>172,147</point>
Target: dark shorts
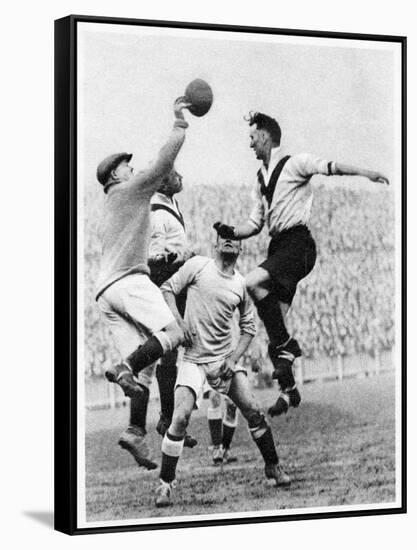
<point>291,256</point>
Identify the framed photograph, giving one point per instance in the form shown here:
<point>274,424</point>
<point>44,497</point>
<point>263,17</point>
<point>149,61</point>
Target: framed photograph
<point>230,274</point>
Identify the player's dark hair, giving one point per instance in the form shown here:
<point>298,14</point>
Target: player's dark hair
<point>265,122</point>
<point>166,180</point>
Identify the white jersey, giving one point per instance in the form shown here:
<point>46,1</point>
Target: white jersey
<point>290,197</point>
<point>212,298</point>
<point>167,227</point>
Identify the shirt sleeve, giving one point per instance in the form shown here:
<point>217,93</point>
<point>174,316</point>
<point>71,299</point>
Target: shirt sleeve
<point>247,319</point>
<point>184,276</point>
<point>307,165</point>
<point>158,241</point>
<point>149,179</point>
<point>257,215</point>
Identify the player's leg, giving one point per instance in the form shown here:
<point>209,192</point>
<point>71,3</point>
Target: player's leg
<point>282,348</point>
<point>166,375</point>
<point>271,309</point>
<point>230,420</point>
<point>162,341</point>
<point>240,393</point>
<point>189,384</point>
<point>140,301</point>
<point>127,337</point>
<point>214,418</point>
<point>272,286</point>
<point>139,406</point>
<point>292,258</point>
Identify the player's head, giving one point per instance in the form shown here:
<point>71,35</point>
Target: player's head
<point>230,248</point>
<point>114,169</point>
<point>264,134</point>
<point>171,184</point>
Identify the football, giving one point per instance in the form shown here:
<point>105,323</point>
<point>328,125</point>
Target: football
<point>200,95</point>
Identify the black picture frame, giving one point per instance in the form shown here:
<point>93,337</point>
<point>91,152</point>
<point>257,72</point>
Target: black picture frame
<point>66,284</point>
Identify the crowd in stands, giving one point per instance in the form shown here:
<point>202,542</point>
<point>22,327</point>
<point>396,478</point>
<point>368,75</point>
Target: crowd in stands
<point>345,305</point>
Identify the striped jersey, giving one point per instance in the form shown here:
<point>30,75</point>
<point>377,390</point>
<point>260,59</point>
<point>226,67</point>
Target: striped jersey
<point>283,194</point>
<point>167,227</point>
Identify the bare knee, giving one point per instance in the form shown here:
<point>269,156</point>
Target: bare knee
<point>257,284</point>
<point>180,420</point>
<point>231,412</point>
<point>215,400</point>
<point>251,285</point>
<point>174,334</point>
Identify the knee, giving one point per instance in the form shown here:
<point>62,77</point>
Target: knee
<point>257,288</point>
<point>257,424</point>
<point>252,285</point>
<point>231,412</point>
<point>181,419</point>
<point>215,400</point>
<point>175,335</point>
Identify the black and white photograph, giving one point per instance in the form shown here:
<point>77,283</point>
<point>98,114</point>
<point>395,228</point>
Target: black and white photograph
<point>236,224</point>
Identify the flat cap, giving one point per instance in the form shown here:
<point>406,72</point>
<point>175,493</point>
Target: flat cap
<point>109,164</point>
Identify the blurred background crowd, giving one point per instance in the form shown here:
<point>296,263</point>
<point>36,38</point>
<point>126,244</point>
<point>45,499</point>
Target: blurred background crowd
<point>344,307</point>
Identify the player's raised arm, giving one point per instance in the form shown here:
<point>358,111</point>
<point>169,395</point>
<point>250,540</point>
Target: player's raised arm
<point>165,161</point>
<point>338,169</point>
<point>306,165</point>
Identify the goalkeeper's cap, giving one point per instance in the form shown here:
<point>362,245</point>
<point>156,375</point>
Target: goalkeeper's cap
<point>110,163</point>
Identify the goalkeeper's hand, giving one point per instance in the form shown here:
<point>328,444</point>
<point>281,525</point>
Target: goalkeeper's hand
<point>225,231</point>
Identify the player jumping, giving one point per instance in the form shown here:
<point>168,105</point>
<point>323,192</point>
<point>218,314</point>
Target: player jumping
<point>168,249</point>
<point>214,291</point>
<point>131,304</point>
<point>282,199</point>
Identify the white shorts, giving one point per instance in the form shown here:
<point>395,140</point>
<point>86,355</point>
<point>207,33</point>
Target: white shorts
<point>194,375</point>
<point>134,309</point>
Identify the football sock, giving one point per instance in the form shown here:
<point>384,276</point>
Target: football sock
<point>270,312</point>
<point>282,348</point>
<point>139,409</point>
<point>214,417</point>
<point>266,445</point>
<point>228,433</point>
<point>262,435</point>
<point>171,451</point>
<point>286,378</point>
<point>146,354</point>
<point>230,419</point>
<point>166,375</point>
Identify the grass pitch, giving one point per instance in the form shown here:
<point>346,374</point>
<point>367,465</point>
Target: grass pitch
<point>338,447</point>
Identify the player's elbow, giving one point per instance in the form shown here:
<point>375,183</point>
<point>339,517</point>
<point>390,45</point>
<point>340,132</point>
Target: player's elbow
<point>252,228</point>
